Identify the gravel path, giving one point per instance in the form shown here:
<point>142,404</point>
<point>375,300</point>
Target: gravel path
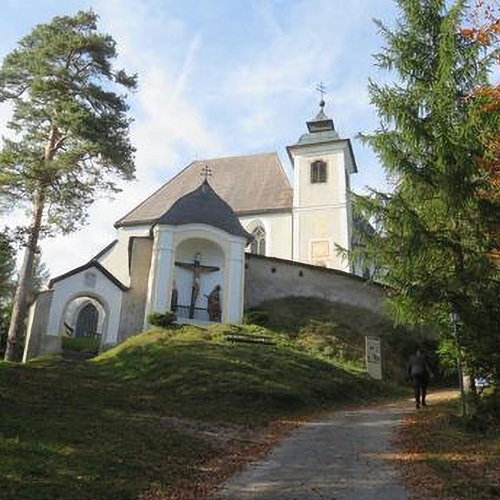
<point>343,457</point>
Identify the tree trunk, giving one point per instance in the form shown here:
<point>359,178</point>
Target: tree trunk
<point>13,351</point>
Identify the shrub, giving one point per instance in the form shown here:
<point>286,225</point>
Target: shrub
<point>322,338</point>
<point>255,317</point>
<point>81,344</point>
<point>162,320</point>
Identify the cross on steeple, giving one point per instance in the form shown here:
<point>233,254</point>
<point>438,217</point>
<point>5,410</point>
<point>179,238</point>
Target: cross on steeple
<point>206,172</point>
<point>322,90</point>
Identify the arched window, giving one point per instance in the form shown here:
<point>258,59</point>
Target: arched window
<point>258,245</point>
<point>318,172</point>
<point>86,323</point>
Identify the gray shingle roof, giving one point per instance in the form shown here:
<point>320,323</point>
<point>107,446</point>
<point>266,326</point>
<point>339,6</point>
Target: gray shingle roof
<point>249,184</point>
<point>204,206</point>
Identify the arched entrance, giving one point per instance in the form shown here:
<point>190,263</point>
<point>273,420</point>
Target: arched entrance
<point>85,315</point>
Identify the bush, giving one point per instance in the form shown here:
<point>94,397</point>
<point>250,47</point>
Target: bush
<point>260,318</point>
<point>322,338</point>
<point>81,344</point>
<point>162,320</point>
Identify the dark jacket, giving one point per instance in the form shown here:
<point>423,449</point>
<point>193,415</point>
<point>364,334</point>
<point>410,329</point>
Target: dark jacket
<point>417,366</point>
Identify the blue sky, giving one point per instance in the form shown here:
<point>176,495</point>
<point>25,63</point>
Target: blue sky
<point>220,78</point>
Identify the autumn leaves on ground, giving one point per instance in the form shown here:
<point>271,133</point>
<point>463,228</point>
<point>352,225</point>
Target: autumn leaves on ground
<point>443,458</point>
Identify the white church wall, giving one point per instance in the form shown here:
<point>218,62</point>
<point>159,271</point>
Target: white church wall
<point>116,261</point>
<point>78,285</point>
<point>269,278</point>
<point>37,343</point>
<point>331,192</point>
<point>236,282</point>
<point>321,211</point>
<point>134,300</point>
<point>278,227</point>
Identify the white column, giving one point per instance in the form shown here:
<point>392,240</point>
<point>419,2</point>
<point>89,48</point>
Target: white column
<point>235,280</point>
<point>161,270</point>
<point>295,210</point>
<point>343,237</point>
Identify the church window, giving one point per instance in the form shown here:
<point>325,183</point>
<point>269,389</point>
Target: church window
<point>258,245</point>
<point>318,172</point>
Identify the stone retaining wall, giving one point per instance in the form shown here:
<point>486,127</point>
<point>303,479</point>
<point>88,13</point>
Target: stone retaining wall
<point>268,278</point>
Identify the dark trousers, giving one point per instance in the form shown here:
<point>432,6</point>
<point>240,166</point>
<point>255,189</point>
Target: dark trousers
<point>420,386</point>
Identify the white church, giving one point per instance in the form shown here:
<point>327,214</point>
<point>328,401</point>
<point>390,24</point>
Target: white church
<point>214,234</point>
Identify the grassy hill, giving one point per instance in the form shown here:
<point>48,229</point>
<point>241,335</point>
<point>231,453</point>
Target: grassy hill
<point>338,331</point>
<point>167,408</point>
<point>260,376</point>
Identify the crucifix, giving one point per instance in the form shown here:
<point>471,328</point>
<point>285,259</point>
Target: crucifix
<point>206,172</point>
<point>197,269</point>
<point>322,90</point>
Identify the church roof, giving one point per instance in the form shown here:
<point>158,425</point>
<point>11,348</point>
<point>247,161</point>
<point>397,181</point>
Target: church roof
<point>249,184</point>
<point>204,206</point>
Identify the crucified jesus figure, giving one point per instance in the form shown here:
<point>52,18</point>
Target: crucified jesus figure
<point>197,269</point>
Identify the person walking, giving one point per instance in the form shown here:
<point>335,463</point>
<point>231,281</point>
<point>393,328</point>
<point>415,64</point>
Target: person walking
<point>419,372</point>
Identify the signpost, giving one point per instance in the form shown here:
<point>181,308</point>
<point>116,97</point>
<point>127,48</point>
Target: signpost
<point>373,357</point>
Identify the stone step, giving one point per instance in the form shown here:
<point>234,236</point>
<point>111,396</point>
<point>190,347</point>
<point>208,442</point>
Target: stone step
<point>250,339</point>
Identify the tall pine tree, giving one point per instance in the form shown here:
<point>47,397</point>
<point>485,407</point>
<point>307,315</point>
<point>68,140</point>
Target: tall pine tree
<point>7,267</point>
<point>72,133</point>
<point>434,235</point>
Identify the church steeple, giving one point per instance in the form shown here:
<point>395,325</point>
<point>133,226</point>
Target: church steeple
<point>320,128</point>
<point>321,215</point>
<point>321,122</point>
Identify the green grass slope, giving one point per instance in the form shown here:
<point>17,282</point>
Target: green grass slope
<point>338,331</point>
<point>203,375</point>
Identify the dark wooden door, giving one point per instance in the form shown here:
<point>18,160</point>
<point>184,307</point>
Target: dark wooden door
<point>86,323</point>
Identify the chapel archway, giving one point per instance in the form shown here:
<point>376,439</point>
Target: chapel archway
<point>198,285</point>
<point>85,316</point>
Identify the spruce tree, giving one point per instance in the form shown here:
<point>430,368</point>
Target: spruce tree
<point>71,134</point>
<point>435,229</point>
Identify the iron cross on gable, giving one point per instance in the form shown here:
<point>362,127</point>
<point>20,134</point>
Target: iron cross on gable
<point>206,172</point>
<point>197,269</point>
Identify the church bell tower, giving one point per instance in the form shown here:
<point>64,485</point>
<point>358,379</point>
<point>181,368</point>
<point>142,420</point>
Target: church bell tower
<point>321,214</point>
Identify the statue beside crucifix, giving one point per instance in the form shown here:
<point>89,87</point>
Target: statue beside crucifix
<point>197,269</point>
<point>213,305</point>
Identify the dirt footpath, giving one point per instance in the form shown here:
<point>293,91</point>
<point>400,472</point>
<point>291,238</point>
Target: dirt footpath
<point>346,456</point>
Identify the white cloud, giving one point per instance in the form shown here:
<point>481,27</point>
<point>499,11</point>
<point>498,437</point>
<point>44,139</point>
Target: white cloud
<point>303,46</point>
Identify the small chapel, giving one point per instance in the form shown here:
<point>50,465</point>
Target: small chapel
<point>191,247</point>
